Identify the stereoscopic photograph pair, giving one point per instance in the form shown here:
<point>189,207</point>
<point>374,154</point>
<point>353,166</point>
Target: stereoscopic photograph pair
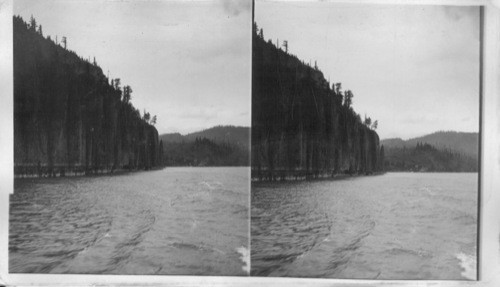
<point>246,138</point>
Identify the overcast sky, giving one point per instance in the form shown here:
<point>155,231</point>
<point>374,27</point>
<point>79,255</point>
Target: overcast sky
<point>188,62</point>
<point>415,69</point>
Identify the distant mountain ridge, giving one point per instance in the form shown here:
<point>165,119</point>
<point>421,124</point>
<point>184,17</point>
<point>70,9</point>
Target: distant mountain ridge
<point>216,146</point>
<point>172,138</point>
<point>463,142</point>
<point>236,135</point>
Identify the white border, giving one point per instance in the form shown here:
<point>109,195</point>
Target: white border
<point>489,251</point>
<point>6,130</point>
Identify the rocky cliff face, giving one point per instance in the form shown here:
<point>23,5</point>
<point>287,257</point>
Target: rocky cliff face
<point>69,116</point>
<point>302,123</point>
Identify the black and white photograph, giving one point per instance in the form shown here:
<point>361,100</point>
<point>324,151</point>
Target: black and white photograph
<point>131,137</point>
<point>250,143</point>
<point>365,132</point>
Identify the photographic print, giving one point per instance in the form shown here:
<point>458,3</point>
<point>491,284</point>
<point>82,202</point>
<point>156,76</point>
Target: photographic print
<point>365,130</point>
<point>131,137</point>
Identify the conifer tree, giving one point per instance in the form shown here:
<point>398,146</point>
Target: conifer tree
<point>32,23</point>
<point>127,94</point>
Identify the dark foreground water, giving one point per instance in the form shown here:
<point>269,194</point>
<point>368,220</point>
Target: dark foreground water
<point>392,226</point>
<point>171,221</point>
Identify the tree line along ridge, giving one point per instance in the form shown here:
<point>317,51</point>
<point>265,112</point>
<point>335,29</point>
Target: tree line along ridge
<point>69,117</point>
<point>301,124</point>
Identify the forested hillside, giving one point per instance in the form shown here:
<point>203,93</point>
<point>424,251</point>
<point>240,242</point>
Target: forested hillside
<point>426,158</point>
<point>440,151</point>
<point>216,146</point>
<point>205,152</point>
<point>68,116</point>
<point>302,123</point>
<point>239,136</point>
<point>464,143</point>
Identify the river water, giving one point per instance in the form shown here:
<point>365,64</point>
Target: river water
<point>391,226</point>
<point>173,221</point>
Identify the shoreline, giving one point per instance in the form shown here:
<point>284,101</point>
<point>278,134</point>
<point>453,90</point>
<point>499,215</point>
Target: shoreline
<point>257,182</point>
<point>81,174</point>
<point>102,172</point>
<point>322,177</point>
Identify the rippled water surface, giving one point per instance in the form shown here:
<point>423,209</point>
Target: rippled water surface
<point>391,226</point>
<point>170,221</point>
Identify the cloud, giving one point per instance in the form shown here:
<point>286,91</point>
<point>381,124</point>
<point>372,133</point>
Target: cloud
<point>456,13</point>
<point>236,51</point>
<point>198,112</point>
<point>416,119</point>
<point>236,7</point>
<point>467,14</point>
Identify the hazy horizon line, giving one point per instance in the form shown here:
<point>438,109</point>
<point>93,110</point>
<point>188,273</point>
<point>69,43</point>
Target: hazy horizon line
<point>438,131</point>
<point>204,129</point>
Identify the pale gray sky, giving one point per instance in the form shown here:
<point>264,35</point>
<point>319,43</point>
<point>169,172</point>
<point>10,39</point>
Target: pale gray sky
<point>415,69</point>
<point>188,62</point>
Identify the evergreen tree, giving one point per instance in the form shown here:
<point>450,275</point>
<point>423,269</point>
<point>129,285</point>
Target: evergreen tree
<point>127,94</point>
<point>32,23</point>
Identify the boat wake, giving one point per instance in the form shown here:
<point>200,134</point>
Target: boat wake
<point>468,264</point>
<point>245,258</point>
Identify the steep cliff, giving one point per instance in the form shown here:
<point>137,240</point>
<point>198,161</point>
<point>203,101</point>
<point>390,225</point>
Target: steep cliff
<point>301,123</point>
<point>68,116</point>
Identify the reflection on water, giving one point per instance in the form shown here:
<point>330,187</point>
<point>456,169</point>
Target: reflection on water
<point>172,221</point>
<point>392,226</point>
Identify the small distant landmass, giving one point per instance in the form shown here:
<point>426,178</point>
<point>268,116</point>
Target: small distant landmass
<point>442,151</point>
<point>216,146</point>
